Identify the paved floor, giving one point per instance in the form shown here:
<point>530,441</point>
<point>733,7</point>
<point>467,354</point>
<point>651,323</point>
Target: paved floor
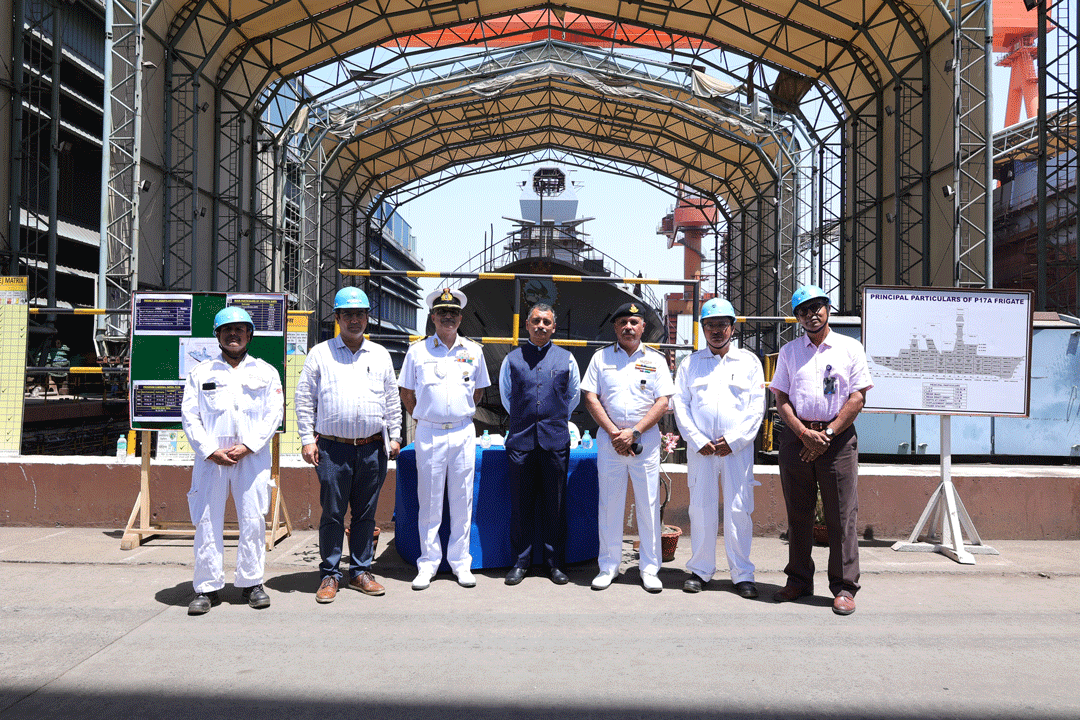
<point>88,630</point>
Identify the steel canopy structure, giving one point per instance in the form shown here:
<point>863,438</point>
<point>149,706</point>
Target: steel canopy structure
<point>273,125</point>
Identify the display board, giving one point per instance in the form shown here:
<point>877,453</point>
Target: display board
<point>948,351</point>
<point>173,332</point>
<point>13,320</point>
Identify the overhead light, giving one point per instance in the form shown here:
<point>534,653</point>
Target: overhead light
<point>205,106</point>
<point>949,65</point>
<point>888,110</point>
<point>947,191</point>
<point>889,217</point>
<point>202,212</point>
<point>145,185</point>
<point>1031,4</point>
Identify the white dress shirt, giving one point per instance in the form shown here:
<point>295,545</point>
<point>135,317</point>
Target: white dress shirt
<point>346,394</point>
<point>444,378</point>
<point>719,397</point>
<point>627,385</point>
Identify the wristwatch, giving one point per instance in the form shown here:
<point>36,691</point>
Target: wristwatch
<point>829,433</point>
<point>637,434</point>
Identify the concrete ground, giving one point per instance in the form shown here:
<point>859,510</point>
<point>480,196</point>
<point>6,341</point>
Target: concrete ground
<point>90,631</point>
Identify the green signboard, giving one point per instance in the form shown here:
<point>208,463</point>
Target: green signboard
<point>172,332</point>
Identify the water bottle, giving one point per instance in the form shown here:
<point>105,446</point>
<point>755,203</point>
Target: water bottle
<point>485,440</point>
<point>121,448</point>
<point>586,441</point>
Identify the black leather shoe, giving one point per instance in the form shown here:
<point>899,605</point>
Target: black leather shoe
<point>694,584</point>
<point>255,596</point>
<point>791,592</point>
<point>746,590</point>
<point>515,575</point>
<point>203,602</point>
<point>558,576</point>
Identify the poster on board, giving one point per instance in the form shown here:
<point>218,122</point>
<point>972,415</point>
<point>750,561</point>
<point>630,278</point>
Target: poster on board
<point>948,351</point>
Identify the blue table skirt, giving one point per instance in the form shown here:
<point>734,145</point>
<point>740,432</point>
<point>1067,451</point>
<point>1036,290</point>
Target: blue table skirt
<point>489,542</point>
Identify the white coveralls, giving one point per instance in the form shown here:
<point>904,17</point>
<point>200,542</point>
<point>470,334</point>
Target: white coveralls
<point>627,387</point>
<point>223,406</point>
<point>444,379</point>
<point>720,397</point>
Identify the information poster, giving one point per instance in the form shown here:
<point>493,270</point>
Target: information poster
<point>173,332</point>
<point>13,320</point>
<point>948,351</point>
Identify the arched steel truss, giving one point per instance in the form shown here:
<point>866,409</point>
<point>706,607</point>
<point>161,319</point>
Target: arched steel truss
<point>859,73</point>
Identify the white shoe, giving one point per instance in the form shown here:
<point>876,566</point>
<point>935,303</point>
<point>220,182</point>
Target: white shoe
<point>604,579</point>
<point>651,582</point>
<point>422,580</point>
<point>466,579</point>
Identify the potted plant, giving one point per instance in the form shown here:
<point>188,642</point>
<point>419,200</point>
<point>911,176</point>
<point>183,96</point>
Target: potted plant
<point>669,534</point>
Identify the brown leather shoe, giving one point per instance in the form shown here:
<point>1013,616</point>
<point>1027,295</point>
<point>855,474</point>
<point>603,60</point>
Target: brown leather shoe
<point>791,592</point>
<point>327,590</point>
<point>365,583</point>
<point>843,605</point>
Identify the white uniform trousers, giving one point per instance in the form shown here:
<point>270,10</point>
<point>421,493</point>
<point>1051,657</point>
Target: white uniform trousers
<point>211,484</point>
<point>736,473</point>
<point>445,463</point>
<point>644,471</point>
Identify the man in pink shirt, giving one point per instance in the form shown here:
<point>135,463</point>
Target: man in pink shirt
<point>820,385</point>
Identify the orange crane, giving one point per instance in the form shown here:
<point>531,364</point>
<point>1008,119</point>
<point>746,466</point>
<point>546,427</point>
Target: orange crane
<point>1015,31</point>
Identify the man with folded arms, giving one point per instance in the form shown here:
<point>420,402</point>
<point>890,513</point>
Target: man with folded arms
<point>349,418</point>
<point>820,385</point>
<point>719,404</point>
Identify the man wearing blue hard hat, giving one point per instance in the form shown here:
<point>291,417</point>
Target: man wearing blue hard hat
<point>232,406</point>
<point>820,384</point>
<point>719,404</point>
<point>349,419</point>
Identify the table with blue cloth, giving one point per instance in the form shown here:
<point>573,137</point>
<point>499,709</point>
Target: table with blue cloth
<point>489,540</point>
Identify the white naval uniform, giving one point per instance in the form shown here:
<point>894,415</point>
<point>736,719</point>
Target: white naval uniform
<point>720,397</point>
<point>444,379</point>
<point>627,387</point>
<point>222,406</point>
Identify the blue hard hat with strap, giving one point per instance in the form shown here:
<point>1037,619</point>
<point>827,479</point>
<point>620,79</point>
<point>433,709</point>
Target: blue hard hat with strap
<point>807,293</point>
<point>717,307</point>
<point>351,298</point>
<point>232,314</point>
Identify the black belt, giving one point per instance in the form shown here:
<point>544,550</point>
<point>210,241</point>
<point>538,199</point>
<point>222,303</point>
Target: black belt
<point>816,424</point>
<point>354,441</point>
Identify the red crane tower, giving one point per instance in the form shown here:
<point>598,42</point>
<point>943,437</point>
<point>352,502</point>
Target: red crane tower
<point>1015,31</point>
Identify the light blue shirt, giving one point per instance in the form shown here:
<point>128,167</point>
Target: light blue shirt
<point>574,389</point>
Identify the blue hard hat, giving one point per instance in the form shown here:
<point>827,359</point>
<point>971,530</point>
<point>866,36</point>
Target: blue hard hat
<point>351,298</point>
<point>232,314</point>
<point>717,307</point>
<point>807,293</point>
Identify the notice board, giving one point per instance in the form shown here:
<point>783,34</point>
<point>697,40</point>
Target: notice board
<point>172,332</point>
<point>948,351</point>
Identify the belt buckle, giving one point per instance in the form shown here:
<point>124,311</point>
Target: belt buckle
<point>448,426</point>
<point>356,441</point>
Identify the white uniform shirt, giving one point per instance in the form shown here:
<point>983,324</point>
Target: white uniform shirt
<point>346,394</point>
<point>627,385</point>
<point>720,397</point>
<point>801,369</point>
<point>444,378</point>
<point>223,405</point>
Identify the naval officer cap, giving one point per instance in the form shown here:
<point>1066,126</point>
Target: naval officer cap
<point>629,309</point>
<point>447,298</point>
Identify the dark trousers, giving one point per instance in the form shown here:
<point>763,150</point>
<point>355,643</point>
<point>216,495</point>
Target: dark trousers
<point>836,473</point>
<point>350,477</point>
<point>538,477</point>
